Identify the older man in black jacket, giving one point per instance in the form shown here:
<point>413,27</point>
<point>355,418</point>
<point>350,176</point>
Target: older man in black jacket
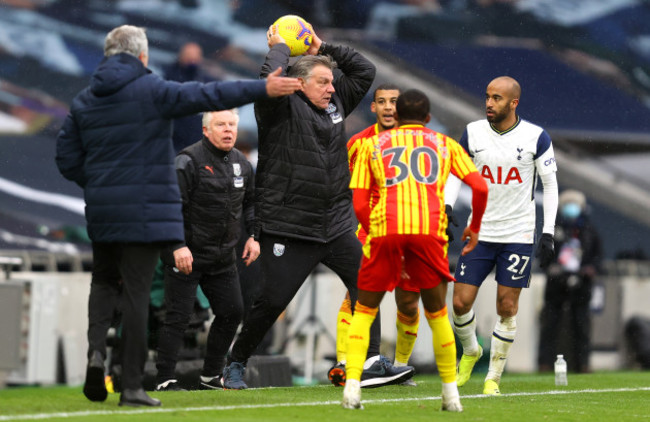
<point>116,144</point>
<point>303,206</point>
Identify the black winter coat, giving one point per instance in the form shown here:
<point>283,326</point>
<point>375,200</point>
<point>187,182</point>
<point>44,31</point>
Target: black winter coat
<point>116,144</point>
<point>303,176</point>
<point>217,189</point>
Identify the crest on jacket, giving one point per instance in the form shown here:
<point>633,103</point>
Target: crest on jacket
<point>278,249</point>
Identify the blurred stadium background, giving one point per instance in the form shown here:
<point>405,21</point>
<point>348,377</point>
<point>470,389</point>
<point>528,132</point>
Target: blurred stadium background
<point>584,66</point>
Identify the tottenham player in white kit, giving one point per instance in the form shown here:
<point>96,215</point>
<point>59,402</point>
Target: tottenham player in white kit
<point>509,153</point>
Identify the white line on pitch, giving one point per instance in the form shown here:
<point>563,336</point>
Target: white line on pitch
<point>149,410</point>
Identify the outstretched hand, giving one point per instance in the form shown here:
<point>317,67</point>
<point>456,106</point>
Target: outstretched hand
<point>277,86</point>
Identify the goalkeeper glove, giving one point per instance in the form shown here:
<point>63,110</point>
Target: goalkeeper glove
<point>450,220</point>
<point>545,250</point>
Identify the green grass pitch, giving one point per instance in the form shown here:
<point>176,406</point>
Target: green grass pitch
<point>601,396</point>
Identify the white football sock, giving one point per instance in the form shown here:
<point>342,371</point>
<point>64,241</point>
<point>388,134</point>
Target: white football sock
<point>465,329</point>
<point>502,339</point>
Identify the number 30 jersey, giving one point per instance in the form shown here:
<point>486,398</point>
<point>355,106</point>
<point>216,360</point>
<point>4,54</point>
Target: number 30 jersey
<point>409,167</point>
<point>509,162</point>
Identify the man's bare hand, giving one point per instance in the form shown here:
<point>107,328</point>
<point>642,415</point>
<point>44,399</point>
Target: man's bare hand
<point>277,86</point>
<point>272,36</point>
<point>473,240</point>
<point>315,43</point>
<point>251,251</point>
<point>183,260</point>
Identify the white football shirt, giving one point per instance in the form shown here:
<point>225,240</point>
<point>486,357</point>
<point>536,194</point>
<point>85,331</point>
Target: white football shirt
<point>509,162</point>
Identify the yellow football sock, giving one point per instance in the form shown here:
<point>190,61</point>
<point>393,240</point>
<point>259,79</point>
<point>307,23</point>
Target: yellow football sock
<point>407,333</point>
<point>444,344</point>
<point>358,340</point>
<point>343,320</point>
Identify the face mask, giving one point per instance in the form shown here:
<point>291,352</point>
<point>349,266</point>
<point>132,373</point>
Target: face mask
<point>571,211</point>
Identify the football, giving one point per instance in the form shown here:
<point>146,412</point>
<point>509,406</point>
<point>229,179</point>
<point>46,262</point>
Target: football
<point>296,32</point>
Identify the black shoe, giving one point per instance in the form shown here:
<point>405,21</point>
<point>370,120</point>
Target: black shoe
<point>95,386</point>
<point>210,383</point>
<point>137,398</point>
<point>169,385</point>
<point>336,374</point>
<point>233,377</point>
<point>382,373</point>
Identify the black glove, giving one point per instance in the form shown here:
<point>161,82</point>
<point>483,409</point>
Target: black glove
<point>545,250</point>
<point>450,220</point>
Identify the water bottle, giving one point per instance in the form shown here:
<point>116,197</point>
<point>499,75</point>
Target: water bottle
<point>560,371</point>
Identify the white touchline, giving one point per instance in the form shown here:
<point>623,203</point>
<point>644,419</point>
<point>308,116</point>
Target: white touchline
<point>37,416</point>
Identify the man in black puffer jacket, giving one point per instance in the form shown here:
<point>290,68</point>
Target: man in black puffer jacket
<point>217,188</point>
<point>303,205</point>
<point>116,144</point>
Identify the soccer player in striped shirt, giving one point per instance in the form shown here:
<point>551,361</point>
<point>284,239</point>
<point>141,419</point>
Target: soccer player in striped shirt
<point>383,105</point>
<point>510,153</point>
<point>409,167</point>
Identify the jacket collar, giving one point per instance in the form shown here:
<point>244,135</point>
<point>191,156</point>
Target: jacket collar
<point>214,150</point>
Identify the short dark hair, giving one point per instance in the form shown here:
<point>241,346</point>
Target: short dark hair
<point>412,105</point>
<point>384,87</point>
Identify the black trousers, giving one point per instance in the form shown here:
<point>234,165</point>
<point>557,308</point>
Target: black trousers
<point>121,277</point>
<point>286,263</point>
<point>577,295</point>
<point>221,287</point>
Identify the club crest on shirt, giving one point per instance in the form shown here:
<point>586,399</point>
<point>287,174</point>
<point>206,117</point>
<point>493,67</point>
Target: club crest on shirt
<point>334,114</point>
<point>238,182</point>
<point>236,169</point>
<point>519,151</point>
<point>278,249</point>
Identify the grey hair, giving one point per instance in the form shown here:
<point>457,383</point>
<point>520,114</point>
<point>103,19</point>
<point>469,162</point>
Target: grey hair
<point>126,39</point>
<point>207,116</point>
<point>303,67</point>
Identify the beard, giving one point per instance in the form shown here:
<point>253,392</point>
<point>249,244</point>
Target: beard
<point>500,116</point>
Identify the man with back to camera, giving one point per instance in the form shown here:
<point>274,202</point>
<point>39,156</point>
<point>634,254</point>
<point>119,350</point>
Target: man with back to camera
<point>217,190</point>
<point>407,295</point>
<point>303,207</point>
<point>509,152</point>
<point>116,144</point>
<point>407,168</point>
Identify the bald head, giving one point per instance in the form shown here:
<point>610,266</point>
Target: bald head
<point>508,85</point>
<point>501,101</point>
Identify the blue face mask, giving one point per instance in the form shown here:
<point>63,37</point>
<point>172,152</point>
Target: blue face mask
<point>571,211</point>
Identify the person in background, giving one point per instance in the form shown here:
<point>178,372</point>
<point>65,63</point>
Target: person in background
<point>187,68</point>
<point>569,281</point>
<point>115,144</point>
<point>217,188</point>
<point>510,153</point>
<point>408,168</point>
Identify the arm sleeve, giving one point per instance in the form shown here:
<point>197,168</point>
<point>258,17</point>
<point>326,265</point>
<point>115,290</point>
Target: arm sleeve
<point>186,174</point>
<point>355,77</point>
<point>70,154</point>
<point>249,203</point>
<point>479,199</point>
<point>272,109</point>
<point>452,188</point>
<point>550,202</point>
<point>176,99</point>
<point>361,203</point>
